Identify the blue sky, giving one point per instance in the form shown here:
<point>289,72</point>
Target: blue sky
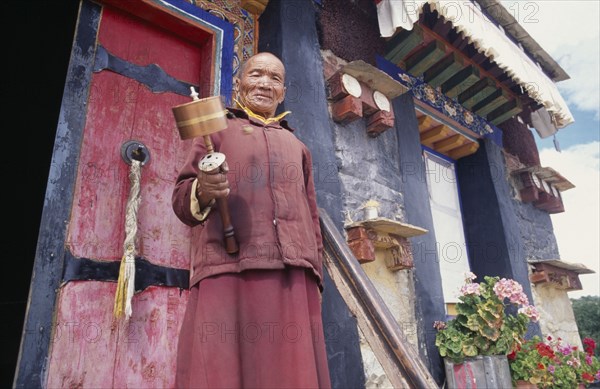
<point>570,32</point>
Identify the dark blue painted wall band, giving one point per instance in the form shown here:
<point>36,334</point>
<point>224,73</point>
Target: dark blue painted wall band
<point>152,76</point>
<point>288,29</point>
<point>146,273</point>
<point>48,262</point>
<point>429,297</point>
<point>491,222</point>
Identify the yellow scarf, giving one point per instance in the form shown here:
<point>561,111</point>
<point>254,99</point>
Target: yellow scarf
<point>260,117</point>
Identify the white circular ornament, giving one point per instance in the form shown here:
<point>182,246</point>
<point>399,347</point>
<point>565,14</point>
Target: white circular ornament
<point>381,101</point>
<point>351,85</point>
<point>536,181</point>
<point>546,187</point>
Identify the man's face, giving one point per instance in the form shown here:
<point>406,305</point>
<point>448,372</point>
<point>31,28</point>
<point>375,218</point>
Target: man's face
<point>260,86</point>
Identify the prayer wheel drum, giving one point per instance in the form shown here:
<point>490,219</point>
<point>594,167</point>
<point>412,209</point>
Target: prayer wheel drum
<point>200,117</point>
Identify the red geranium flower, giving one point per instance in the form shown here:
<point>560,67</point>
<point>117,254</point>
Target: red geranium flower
<point>544,350</point>
<point>541,366</point>
<point>589,346</point>
<point>588,377</point>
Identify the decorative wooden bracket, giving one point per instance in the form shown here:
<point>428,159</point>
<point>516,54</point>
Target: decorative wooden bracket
<point>542,187</point>
<point>558,274</point>
<point>255,7</point>
<point>365,236</point>
<point>359,90</point>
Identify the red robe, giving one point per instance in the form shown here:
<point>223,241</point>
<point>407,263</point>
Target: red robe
<point>253,319</point>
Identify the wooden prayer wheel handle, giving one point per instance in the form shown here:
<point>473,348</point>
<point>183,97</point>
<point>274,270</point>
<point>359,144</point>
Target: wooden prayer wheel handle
<point>211,163</point>
<point>231,244</point>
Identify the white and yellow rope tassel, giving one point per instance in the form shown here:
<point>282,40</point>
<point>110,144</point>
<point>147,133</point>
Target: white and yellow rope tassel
<point>126,282</point>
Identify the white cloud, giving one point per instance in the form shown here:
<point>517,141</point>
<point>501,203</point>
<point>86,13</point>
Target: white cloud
<point>578,228</point>
<point>569,31</point>
<point>581,62</point>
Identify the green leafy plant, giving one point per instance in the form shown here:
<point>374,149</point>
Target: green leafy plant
<point>553,363</point>
<point>482,325</point>
<point>587,317</point>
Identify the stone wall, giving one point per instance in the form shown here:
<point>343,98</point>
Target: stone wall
<point>371,169</point>
<point>536,232</point>
<point>556,314</point>
<point>368,170</point>
<point>535,225</point>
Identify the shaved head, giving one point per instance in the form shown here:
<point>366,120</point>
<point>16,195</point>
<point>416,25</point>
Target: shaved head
<point>259,85</point>
<point>259,55</point>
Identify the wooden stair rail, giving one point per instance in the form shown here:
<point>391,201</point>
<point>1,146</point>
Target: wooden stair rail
<point>400,361</point>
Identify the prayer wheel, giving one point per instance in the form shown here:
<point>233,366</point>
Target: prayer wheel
<point>200,117</point>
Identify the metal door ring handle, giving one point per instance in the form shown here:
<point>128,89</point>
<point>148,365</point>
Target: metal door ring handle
<point>133,149</point>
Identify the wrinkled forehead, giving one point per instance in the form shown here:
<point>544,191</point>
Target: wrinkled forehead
<point>263,62</point>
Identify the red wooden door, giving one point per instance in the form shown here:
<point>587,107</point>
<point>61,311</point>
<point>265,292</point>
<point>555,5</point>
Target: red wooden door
<point>138,51</point>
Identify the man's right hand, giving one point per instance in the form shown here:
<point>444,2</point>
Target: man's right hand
<point>212,185</point>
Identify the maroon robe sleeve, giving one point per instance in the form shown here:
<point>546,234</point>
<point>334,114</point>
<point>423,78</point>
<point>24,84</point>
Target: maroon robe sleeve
<point>182,192</point>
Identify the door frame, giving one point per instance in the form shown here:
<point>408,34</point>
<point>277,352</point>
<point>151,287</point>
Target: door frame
<point>178,16</point>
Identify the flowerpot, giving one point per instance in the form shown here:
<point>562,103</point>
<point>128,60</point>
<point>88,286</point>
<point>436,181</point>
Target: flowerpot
<point>521,384</point>
<point>485,371</point>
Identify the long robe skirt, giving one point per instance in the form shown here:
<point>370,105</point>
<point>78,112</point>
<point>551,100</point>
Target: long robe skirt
<point>255,329</point>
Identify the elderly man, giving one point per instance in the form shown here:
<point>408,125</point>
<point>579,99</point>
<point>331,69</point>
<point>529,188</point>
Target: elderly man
<point>253,318</point>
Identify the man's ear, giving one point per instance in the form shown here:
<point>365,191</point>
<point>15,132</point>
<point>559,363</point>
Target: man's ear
<point>236,86</point>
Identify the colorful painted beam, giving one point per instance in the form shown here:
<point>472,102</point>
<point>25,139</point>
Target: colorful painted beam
<point>505,111</point>
<point>464,150</point>
<point>461,81</point>
<point>442,70</point>
<point>429,137</point>
<point>477,92</point>
<point>424,58</point>
<point>437,101</point>
<point>425,122</point>
<point>490,103</point>
<point>449,143</point>
<point>403,43</point>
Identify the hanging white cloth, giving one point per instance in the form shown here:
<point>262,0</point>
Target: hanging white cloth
<point>488,39</point>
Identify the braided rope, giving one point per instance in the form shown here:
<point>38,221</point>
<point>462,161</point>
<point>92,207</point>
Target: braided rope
<point>126,282</point>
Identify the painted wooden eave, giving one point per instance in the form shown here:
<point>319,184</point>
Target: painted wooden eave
<point>510,25</point>
<point>449,61</point>
<point>578,268</point>
<point>443,139</point>
<point>549,175</point>
<point>390,226</point>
